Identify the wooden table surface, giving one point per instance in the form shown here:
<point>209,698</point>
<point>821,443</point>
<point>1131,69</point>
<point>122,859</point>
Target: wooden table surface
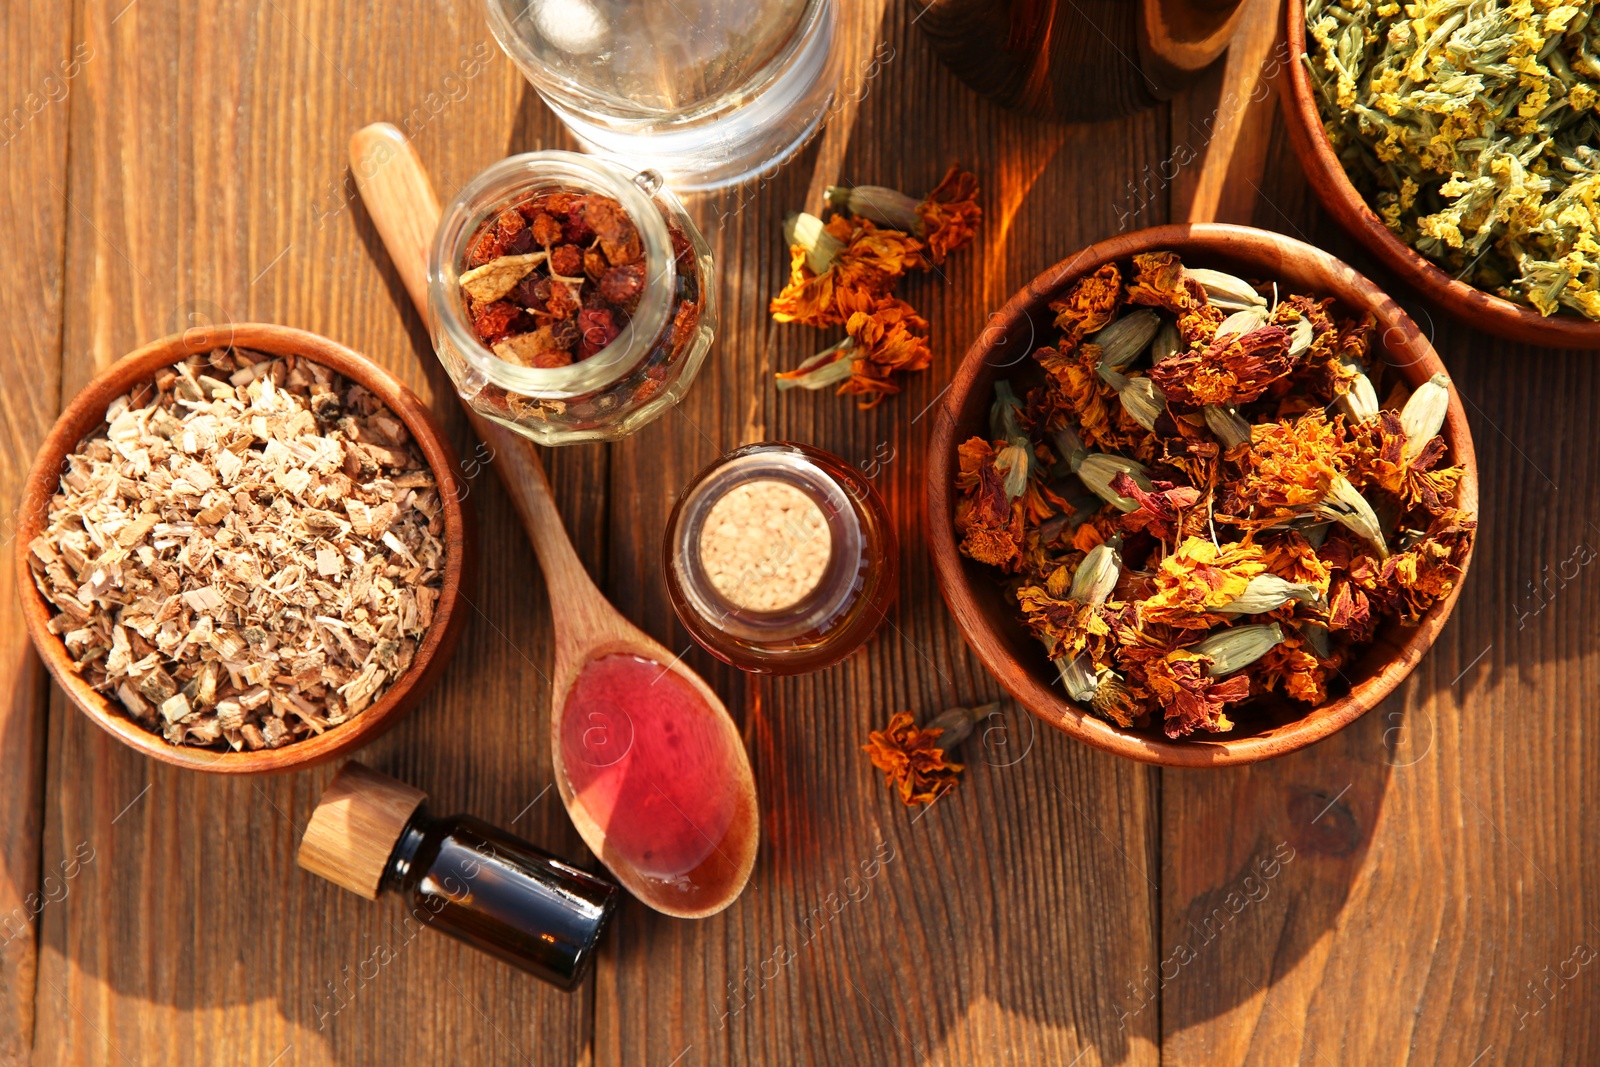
<point>171,163</point>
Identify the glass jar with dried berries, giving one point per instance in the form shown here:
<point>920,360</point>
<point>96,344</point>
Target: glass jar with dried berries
<point>569,297</point>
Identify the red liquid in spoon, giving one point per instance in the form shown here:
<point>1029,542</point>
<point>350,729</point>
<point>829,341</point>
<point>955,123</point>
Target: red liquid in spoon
<point>657,770</point>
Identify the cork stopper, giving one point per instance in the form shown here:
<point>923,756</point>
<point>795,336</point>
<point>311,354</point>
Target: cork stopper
<point>765,545</point>
<point>355,826</point>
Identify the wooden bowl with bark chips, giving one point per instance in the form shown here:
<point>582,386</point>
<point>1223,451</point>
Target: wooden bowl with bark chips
<point>1401,362</point>
<point>261,556</point>
<point>1476,307</point>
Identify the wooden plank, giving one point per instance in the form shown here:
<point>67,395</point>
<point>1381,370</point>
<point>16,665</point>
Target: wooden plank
<point>209,184</point>
<point>991,925</point>
<point>37,88</point>
<point>1434,909</point>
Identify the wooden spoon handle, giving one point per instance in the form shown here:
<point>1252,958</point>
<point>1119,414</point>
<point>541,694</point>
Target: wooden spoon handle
<point>405,210</point>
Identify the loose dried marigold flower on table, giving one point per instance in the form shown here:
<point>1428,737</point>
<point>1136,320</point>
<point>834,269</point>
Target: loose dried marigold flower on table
<point>884,337</point>
<point>837,266</point>
<point>912,760</point>
<point>844,270</point>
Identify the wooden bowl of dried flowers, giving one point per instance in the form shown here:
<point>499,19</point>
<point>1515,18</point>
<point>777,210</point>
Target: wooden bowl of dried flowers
<point>241,550</point>
<point>1172,526</point>
<point>1446,220</point>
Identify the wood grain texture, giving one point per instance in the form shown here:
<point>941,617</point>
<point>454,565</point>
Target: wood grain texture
<point>210,182</point>
<point>1439,903</point>
<point>399,198</point>
<point>36,98</point>
<point>1428,913</point>
<point>960,949</point>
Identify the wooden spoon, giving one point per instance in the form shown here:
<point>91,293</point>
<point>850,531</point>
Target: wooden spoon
<point>664,782</point>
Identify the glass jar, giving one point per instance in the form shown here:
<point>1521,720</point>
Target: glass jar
<point>708,92</point>
<point>633,379</point>
<point>780,558</point>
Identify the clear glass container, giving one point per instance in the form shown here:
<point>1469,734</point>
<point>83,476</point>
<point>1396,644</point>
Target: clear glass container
<point>840,604</point>
<point>708,92</point>
<point>632,380</point>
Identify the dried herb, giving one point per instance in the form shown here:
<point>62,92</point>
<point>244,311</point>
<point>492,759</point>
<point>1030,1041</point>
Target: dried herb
<point>554,279</point>
<point>843,271</point>
<point>1202,501</point>
<point>886,337</point>
<point>916,761</point>
<point>246,553</point>
<point>1472,130</point>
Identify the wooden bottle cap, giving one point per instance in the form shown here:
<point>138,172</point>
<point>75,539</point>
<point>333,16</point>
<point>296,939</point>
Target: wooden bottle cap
<point>355,826</point>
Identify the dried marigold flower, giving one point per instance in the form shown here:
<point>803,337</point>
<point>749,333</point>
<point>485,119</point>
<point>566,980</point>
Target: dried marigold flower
<point>838,267</point>
<point>1413,581</point>
<point>1294,669</point>
<point>1161,508</point>
<point>950,214</point>
<point>1190,698</point>
<point>1233,369</point>
<point>1067,620</point>
<point>1289,467</point>
<point>915,761</point>
<point>1198,580</point>
<point>1076,386</point>
<point>989,522</point>
<point>1387,457</point>
<point>944,220</point>
<point>1160,281</point>
<point>887,337</point>
<point>1291,557</point>
<point>1089,305</point>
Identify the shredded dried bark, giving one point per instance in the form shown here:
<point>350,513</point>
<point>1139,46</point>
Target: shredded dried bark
<point>246,552</point>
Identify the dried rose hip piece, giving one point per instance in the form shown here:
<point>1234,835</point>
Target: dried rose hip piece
<point>565,271</point>
<point>621,284</point>
<point>597,328</point>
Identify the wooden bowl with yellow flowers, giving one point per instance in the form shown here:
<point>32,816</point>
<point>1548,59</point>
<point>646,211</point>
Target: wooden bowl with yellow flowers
<point>1201,495</point>
<point>1508,211</point>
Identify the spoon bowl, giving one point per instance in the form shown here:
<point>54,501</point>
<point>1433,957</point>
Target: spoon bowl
<point>647,760</point>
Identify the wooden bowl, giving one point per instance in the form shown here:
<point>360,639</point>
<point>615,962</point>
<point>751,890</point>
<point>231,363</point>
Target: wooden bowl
<point>87,412</point>
<point>991,621</point>
<point>1477,308</point>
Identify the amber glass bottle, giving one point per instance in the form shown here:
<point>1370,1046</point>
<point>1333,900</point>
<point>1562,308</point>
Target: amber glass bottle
<point>498,893</point>
<point>843,601</point>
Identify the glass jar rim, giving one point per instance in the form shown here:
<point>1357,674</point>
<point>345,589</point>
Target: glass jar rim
<point>492,191</point>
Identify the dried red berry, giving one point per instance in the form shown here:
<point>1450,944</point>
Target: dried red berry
<point>546,230</point>
<point>597,328</point>
<point>493,321</point>
<point>558,357</point>
<point>622,284</point>
<point>484,248</point>
<point>509,224</point>
<point>563,303</point>
<point>566,260</point>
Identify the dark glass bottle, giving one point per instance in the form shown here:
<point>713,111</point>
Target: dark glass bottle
<point>466,878</point>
